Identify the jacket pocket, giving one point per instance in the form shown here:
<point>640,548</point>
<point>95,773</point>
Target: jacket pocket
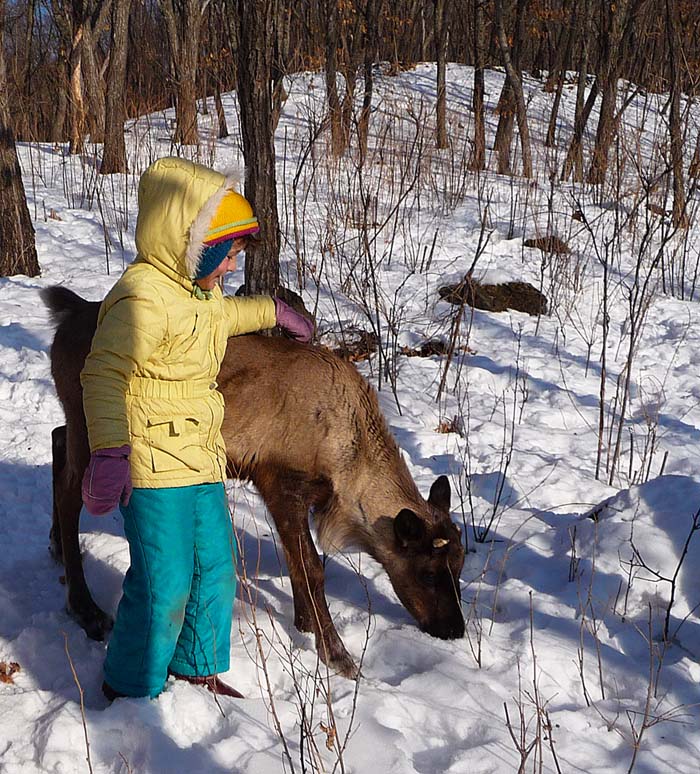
<point>175,443</point>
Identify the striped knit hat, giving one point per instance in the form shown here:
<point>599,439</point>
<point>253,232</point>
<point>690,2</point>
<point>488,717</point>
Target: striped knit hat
<point>234,218</point>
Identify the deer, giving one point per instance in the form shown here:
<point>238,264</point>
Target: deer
<point>305,428</point>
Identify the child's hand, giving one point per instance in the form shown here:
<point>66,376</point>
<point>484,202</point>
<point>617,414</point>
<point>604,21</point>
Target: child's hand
<point>300,328</point>
<point>107,480</point>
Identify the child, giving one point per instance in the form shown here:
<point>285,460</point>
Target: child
<point>154,418</point>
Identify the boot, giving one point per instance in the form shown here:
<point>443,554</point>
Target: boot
<point>212,683</point>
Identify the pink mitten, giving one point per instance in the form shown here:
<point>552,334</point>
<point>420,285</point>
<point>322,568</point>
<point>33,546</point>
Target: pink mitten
<point>107,480</point>
<point>300,328</point>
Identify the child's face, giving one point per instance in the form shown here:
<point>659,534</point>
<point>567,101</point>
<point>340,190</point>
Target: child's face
<point>228,264</point>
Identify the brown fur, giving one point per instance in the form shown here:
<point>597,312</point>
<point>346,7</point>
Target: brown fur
<point>306,429</point>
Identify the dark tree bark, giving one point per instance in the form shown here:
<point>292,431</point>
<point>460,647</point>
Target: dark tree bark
<point>183,21</point>
<point>17,243</point>
<point>441,36</point>
<point>478,160</point>
<point>257,128</point>
<point>114,156</point>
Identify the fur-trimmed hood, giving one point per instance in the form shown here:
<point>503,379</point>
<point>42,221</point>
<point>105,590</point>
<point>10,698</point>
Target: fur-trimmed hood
<point>177,201</point>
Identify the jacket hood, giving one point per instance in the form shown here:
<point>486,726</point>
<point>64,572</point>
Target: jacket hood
<point>177,201</point>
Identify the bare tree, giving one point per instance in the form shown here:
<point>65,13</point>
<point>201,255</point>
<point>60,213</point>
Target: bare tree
<point>217,35</point>
<point>515,87</point>
<point>255,55</point>
<point>17,244</point>
<point>574,155</point>
<point>92,69</point>
<point>339,138</point>
<point>183,22</point>
<point>342,36</point>
<point>563,56</point>
<point>618,26</point>
<point>373,10</point>
<point>114,156</point>
<point>77,105</point>
<point>441,37</point>
<point>680,218</point>
<point>76,20</point>
<point>478,159</point>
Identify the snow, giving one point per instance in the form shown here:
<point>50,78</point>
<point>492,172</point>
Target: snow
<point>565,592</point>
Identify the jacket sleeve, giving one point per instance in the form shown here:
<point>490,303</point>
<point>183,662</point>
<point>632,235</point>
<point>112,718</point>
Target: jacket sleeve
<point>128,332</point>
<point>246,314</point>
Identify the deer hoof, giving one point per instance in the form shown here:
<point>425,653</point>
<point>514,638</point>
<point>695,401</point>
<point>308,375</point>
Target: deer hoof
<point>346,667</point>
<point>338,659</point>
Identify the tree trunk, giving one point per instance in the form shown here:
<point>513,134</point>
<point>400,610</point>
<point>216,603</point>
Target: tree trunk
<point>680,218</point>
<point>372,15</point>
<point>220,113</point>
<point>617,33</point>
<point>280,23</point>
<point>255,99</point>
<point>513,77</point>
<point>58,125</point>
<point>441,35</point>
<point>216,26</point>
<point>183,21</point>
<point>560,69</point>
<point>114,156</point>
<point>17,243</point>
<point>506,102</point>
<point>77,107</point>
<point>478,160</point>
<point>574,155</point>
<point>339,138</point>
<point>94,90</point>
<point>25,126</point>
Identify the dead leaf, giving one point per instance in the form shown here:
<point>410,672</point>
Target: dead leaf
<point>7,670</point>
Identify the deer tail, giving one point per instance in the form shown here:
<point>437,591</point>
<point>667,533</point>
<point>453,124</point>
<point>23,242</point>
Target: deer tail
<point>61,302</point>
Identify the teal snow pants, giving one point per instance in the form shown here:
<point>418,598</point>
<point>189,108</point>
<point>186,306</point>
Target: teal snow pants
<point>177,598</point>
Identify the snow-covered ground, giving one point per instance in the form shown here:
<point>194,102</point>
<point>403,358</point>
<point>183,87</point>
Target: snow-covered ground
<point>564,585</point>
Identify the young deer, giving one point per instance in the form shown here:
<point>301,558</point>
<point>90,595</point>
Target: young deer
<point>306,429</point>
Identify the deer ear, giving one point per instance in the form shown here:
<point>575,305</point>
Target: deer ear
<point>408,528</point>
<point>440,494</point>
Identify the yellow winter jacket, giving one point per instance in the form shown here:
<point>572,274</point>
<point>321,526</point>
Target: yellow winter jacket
<point>150,378</point>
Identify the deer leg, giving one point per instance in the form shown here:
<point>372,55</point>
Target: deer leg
<point>284,495</point>
<point>58,463</point>
<point>65,533</point>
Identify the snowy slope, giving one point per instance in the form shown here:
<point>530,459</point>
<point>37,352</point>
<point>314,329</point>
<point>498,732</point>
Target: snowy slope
<point>565,614</point>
